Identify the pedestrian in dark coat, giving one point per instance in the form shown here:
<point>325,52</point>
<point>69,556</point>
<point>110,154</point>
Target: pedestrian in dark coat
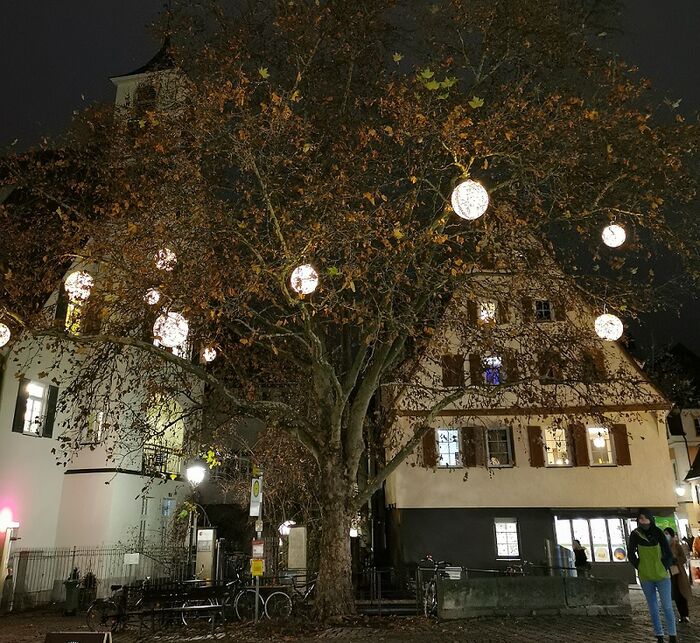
<point>680,587</point>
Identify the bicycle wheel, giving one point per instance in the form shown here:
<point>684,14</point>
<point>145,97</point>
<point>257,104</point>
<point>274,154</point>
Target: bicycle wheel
<point>103,616</point>
<point>245,605</point>
<point>430,599</point>
<point>228,608</point>
<point>278,606</point>
<point>194,615</point>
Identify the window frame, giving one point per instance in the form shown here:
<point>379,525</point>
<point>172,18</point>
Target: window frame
<point>457,454</point>
<point>93,417</point>
<point>567,442</point>
<point>507,520</point>
<point>509,444</point>
<point>481,305</point>
<point>539,308</point>
<point>611,443</point>
<point>497,368</point>
<point>43,406</point>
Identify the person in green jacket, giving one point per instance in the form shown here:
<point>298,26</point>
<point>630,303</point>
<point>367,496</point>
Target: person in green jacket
<point>649,552</point>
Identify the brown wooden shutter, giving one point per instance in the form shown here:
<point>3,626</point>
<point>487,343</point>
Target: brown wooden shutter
<point>536,443</point>
<point>528,313</point>
<point>20,407</point>
<point>473,447</point>
<point>512,445</point>
<point>622,445</point>
<point>50,415</point>
<point>502,314</point>
<point>580,443</point>
<point>556,310</point>
<point>452,370</point>
<point>476,369</point>
<point>471,311</point>
<point>61,308</point>
<point>510,365</point>
<point>598,358</point>
<point>90,317</point>
<point>429,449</point>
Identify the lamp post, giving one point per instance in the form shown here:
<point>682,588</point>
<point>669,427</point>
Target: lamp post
<point>195,472</point>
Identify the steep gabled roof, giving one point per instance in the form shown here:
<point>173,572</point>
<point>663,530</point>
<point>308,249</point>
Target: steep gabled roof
<point>161,61</point>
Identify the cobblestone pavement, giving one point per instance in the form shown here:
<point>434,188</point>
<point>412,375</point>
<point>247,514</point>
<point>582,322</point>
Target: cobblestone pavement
<point>30,627</point>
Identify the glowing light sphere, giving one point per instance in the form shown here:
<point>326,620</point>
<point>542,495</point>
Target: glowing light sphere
<point>304,279</point>
<point>165,259</point>
<point>152,296</point>
<point>470,200</point>
<point>5,334</point>
<point>171,329</point>
<point>609,327</point>
<point>599,442</point>
<point>78,285</point>
<point>195,473</point>
<point>680,491</point>
<point>208,354</point>
<point>613,235</point>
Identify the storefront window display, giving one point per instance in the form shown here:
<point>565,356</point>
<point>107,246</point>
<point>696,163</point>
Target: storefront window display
<point>603,538</point>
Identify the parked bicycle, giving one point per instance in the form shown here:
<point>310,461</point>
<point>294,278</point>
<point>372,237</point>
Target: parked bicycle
<point>111,614</point>
<point>280,604</point>
<point>429,588</point>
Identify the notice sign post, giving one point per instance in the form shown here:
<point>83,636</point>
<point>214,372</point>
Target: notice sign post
<point>257,569</point>
<point>255,497</point>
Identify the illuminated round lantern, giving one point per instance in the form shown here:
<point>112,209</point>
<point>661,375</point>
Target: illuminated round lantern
<point>680,491</point>
<point>304,279</point>
<point>78,285</point>
<point>470,200</point>
<point>165,259</point>
<point>599,442</point>
<point>609,327</point>
<point>152,296</point>
<point>5,334</point>
<point>171,329</point>
<point>613,235</point>
<point>208,354</point>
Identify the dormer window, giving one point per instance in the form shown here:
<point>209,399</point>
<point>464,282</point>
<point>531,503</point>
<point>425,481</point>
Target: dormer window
<point>543,310</point>
<point>487,311</point>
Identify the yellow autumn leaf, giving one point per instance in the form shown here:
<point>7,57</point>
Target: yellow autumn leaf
<point>264,73</point>
<point>397,57</point>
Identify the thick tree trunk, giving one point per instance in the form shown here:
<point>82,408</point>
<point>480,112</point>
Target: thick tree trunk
<point>334,592</point>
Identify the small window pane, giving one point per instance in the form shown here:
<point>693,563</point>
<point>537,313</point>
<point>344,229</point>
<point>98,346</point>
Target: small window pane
<point>35,409</point>
<point>543,310</point>
<point>563,531</point>
<point>581,533</point>
<point>487,311</point>
<point>617,540</point>
<point>601,549</point>
<point>492,370</point>
<point>448,447</point>
<point>499,448</point>
<point>507,538</point>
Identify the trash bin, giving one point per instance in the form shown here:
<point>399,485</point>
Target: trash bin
<point>72,596</point>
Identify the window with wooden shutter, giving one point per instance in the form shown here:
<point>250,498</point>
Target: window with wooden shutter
<point>61,311</point>
<point>580,440</point>
<point>473,447</point>
<point>429,449</point>
<point>502,312</point>
<point>453,370</point>
<point>510,365</point>
<point>535,442</point>
<point>527,310</point>
<point>622,446</point>
<point>471,311</point>
<point>593,365</point>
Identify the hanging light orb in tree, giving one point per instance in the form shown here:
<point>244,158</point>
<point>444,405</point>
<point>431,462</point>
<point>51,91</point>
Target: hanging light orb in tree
<point>165,259</point>
<point>304,279</point>
<point>5,334</point>
<point>613,235</point>
<point>208,354</point>
<point>470,200</point>
<point>609,327</point>
<point>152,296</point>
<point>78,285</point>
<point>195,472</point>
<point>171,329</point>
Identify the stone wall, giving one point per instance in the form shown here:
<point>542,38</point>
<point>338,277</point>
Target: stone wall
<point>531,595</point>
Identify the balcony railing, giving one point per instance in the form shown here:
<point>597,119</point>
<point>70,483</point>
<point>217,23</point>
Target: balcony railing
<point>160,460</point>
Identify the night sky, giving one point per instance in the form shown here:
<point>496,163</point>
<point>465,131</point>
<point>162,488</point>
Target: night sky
<point>52,54</point>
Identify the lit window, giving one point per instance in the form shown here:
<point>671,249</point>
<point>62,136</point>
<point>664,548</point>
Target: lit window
<point>167,507</point>
<point>543,310</point>
<point>492,370</point>
<point>487,312</point>
<point>448,448</point>
<point>507,538</point>
<point>35,409</point>
<point>94,428</point>
<point>74,312</point>
<point>500,449</point>
<point>556,447</point>
<point>600,446</point>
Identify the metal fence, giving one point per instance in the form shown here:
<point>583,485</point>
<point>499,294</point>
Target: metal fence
<point>38,575</point>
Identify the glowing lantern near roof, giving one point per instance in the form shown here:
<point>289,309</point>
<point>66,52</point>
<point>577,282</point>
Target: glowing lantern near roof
<point>470,200</point>
<point>171,329</point>
<point>614,235</point>
<point>152,296</point>
<point>78,285</point>
<point>304,279</point>
<point>609,327</point>
<point>208,354</point>
<point>5,334</point>
<point>165,259</point>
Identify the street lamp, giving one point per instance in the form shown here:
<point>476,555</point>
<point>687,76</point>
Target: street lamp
<point>195,472</point>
